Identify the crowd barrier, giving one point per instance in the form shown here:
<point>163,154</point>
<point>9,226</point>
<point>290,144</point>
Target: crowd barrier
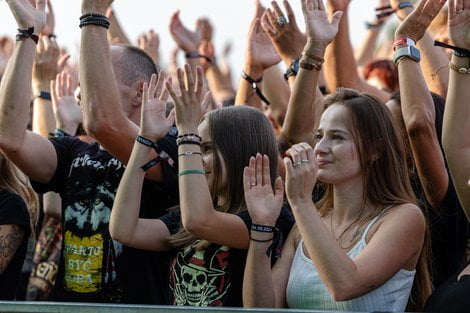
<point>61,307</point>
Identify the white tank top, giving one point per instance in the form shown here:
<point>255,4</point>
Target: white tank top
<point>306,290</point>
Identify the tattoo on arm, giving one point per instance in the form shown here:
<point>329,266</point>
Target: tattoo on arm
<point>10,239</point>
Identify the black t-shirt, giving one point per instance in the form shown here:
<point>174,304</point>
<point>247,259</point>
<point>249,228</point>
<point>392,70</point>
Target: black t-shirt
<point>212,277</point>
<point>94,267</point>
<point>13,211</point>
<point>449,233</point>
<point>451,296</point>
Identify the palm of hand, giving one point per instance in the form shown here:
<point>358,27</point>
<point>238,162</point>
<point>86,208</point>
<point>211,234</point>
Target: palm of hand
<point>26,15</point>
<point>67,110</point>
<point>319,29</point>
<point>186,39</point>
<point>154,121</point>
<point>262,203</point>
<point>459,29</point>
<point>261,51</point>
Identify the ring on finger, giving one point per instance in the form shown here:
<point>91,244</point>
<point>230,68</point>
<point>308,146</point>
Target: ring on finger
<point>297,164</point>
<point>304,161</point>
<point>281,21</point>
<point>459,11</point>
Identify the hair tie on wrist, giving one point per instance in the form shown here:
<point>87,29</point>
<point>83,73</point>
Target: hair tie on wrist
<point>27,33</point>
<point>254,84</point>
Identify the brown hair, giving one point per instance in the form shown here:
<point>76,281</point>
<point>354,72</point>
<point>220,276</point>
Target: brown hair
<point>237,133</point>
<point>383,162</point>
<point>14,181</point>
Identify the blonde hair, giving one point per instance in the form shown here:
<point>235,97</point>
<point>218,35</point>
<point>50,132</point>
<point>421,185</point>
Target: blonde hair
<point>15,181</point>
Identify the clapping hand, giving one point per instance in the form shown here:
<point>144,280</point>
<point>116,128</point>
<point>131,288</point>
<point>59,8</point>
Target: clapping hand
<point>263,203</point>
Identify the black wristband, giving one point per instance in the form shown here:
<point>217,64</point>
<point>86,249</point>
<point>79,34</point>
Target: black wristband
<point>150,164</point>
<point>44,95</point>
<point>190,55</point>
<point>94,19</point>
<point>262,228</point>
<point>27,33</point>
<point>254,83</point>
<point>460,52</point>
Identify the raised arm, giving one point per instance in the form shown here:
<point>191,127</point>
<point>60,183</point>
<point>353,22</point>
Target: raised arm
<point>434,59</point>
<point>125,225</point>
<point>456,115</point>
<point>108,115</point>
<point>32,153</point>
<point>198,215</point>
<point>305,103</point>
<point>340,66</point>
<point>418,107</point>
<point>259,55</point>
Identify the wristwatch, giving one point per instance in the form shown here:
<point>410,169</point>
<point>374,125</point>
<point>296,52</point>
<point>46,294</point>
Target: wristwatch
<point>408,52</point>
<point>293,69</point>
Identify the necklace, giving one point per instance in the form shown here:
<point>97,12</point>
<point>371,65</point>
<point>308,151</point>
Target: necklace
<point>353,237</point>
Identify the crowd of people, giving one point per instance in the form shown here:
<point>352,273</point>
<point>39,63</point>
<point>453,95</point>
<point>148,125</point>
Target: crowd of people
<point>341,183</point>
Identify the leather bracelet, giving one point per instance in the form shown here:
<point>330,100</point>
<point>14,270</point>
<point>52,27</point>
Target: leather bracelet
<point>190,55</point>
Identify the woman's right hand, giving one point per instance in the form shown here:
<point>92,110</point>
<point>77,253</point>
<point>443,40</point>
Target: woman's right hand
<point>301,176</point>
<point>29,14</point>
<point>320,31</point>
<point>263,203</point>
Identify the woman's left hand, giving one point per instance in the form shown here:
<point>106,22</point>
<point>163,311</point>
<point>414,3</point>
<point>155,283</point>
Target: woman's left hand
<point>263,203</point>
<point>301,167</point>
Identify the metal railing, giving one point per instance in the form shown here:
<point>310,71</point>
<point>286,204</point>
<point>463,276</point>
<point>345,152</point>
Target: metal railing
<point>69,307</point>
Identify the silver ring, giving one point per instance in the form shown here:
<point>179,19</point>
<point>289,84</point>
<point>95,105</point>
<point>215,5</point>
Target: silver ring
<point>459,11</point>
<point>281,21</point>
<point>304,161</point>
<point>297,164</point>
<point>252,185</point>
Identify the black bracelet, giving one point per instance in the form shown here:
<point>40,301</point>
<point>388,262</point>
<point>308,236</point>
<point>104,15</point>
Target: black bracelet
<point>190,134</point>
<point>277,239</point>
<point>257,240</point>
<point>94,19</point>
<point>189,142</point>
<point>162,155</point>
<point>27,33</point>
<point>94,22</point>
<point>254,83</point>
<point>459,52</point>
<point>84,16</point>
<point>190,55</point>
<point>44,95</point>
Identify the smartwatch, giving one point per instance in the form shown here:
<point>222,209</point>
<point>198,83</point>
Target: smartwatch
<point>408,52</point>
<point>293,69</point>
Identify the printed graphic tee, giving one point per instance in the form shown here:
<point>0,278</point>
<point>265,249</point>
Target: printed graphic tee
<point>94,267</point>
<point>214,276</point>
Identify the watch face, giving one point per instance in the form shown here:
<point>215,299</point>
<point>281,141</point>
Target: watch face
<point>295,65</point>
<point>415,54</point>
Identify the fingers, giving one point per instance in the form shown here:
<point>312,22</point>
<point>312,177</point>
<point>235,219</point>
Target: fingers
<point>171,117</point>
<point>267,26</point>
<point>199,83</point>
<point>152,86</point>
<point>290,12</point>
<point>259,169</point>
<point>277,9</point>
<point>63,61</point>
<point>145,95</point>
<point>336,18</point>
<point>279,187</point>
<point>266,171</point>
<point>321,5</point>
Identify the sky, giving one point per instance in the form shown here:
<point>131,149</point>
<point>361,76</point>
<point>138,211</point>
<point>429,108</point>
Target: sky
<point>230,20</point>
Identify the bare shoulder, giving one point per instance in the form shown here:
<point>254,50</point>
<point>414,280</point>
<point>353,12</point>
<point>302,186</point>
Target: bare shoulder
<point>406,218</point>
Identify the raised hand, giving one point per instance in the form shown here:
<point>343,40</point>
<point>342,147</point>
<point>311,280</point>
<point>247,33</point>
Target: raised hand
<point>187,40</point>
<point>150,43</point>
<point>401,13</point>
<point>459,23</point>
<point>154,123</point>
<point>206,48</point>
<point>50,20</point>
<point>46,63</point>
<point>301,173</point>
<point>319,29</point>
<point>414,26</point>
<point>284,32</point>
<point>29,13</point>
<point>188,106</point>
<point>67,112</point>
<point>260,52</point>
<point>263,203</point>
<point>205,28</point>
